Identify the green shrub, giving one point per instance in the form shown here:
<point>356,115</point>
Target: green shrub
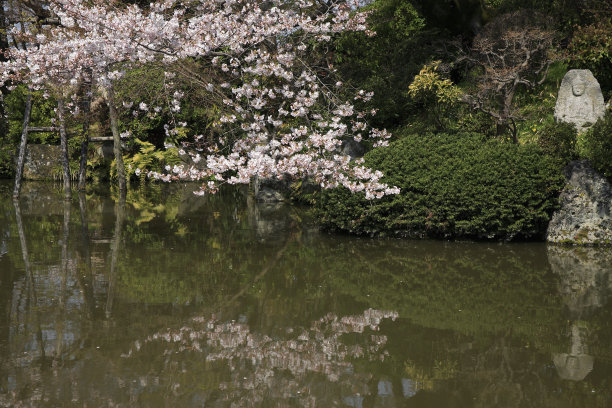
<point>598,145</point>
<point>558,140</point>
<point>452,185</point>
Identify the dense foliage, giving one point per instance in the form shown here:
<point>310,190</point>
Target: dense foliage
<point>559,141</point>
<point>452,185</point>
<point>598,145</point>
<point>591,48</point>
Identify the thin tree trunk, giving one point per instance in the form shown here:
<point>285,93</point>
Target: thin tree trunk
<point>116,140</point>
<point>23,145</point>
<point>85,143</point>
<point>64,144</point>
<point>83,161</point>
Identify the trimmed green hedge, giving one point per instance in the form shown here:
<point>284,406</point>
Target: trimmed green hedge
<point>452,185</point>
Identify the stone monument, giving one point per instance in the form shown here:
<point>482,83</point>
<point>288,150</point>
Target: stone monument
<point>580,100</point>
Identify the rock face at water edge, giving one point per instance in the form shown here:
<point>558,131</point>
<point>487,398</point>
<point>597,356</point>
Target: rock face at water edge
<point>586,206</point>
<point>580,100</point>
<point>41,162</point>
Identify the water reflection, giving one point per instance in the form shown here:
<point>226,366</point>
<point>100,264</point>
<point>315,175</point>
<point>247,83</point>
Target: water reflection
<point>585,277</point>
<point>585,285</point>
<point>157,298</point>
<point>263,369</point>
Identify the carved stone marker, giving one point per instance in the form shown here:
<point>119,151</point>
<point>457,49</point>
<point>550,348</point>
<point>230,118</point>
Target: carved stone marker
<point>580,100</point>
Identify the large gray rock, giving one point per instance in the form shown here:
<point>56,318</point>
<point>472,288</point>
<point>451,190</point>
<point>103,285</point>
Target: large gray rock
<point>42,162</point>
<point>580,100</point>
<point>585,214</point>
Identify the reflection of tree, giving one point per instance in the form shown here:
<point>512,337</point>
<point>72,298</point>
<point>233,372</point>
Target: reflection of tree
<point>63,279</point>
<point>45,328</point>
<point>30,284</point>
<point>265,369</point>
<point>85,277</point>
<point>7,276</point>
<point>116,245</point>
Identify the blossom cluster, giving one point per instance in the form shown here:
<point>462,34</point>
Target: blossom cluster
<point>282,116</point>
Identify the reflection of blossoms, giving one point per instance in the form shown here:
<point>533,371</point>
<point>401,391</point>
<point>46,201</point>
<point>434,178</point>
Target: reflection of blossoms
<point>254,359</point>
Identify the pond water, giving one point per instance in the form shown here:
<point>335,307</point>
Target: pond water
<point>165,299</point>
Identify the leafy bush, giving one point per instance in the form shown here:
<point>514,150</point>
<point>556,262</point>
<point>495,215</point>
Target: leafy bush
<point>437,94</point>
<point>598,145</point>
<point>558,140</point>
<point>148,158</point>
<point>452,185</point>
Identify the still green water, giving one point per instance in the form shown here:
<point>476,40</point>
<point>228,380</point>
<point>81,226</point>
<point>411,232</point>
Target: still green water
<point>171,300</point>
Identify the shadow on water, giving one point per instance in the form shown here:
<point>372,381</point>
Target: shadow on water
<point>162,298</point>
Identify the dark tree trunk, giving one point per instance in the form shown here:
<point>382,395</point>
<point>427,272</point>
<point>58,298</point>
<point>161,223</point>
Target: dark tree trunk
<point>22,145</point>
<point>85,143</point>
<point>112,110</point>
<point>64,145</point>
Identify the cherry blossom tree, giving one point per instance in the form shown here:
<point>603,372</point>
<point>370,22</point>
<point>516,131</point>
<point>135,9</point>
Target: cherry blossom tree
<point>282,116</point>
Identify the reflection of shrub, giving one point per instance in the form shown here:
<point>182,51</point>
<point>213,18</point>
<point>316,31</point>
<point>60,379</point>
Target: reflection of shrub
<point>559,141</point>
<point>452,185</point>
<point>598,145</point>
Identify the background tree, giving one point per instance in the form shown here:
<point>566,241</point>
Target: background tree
<point>591,48</point>
<point>514,50</point>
